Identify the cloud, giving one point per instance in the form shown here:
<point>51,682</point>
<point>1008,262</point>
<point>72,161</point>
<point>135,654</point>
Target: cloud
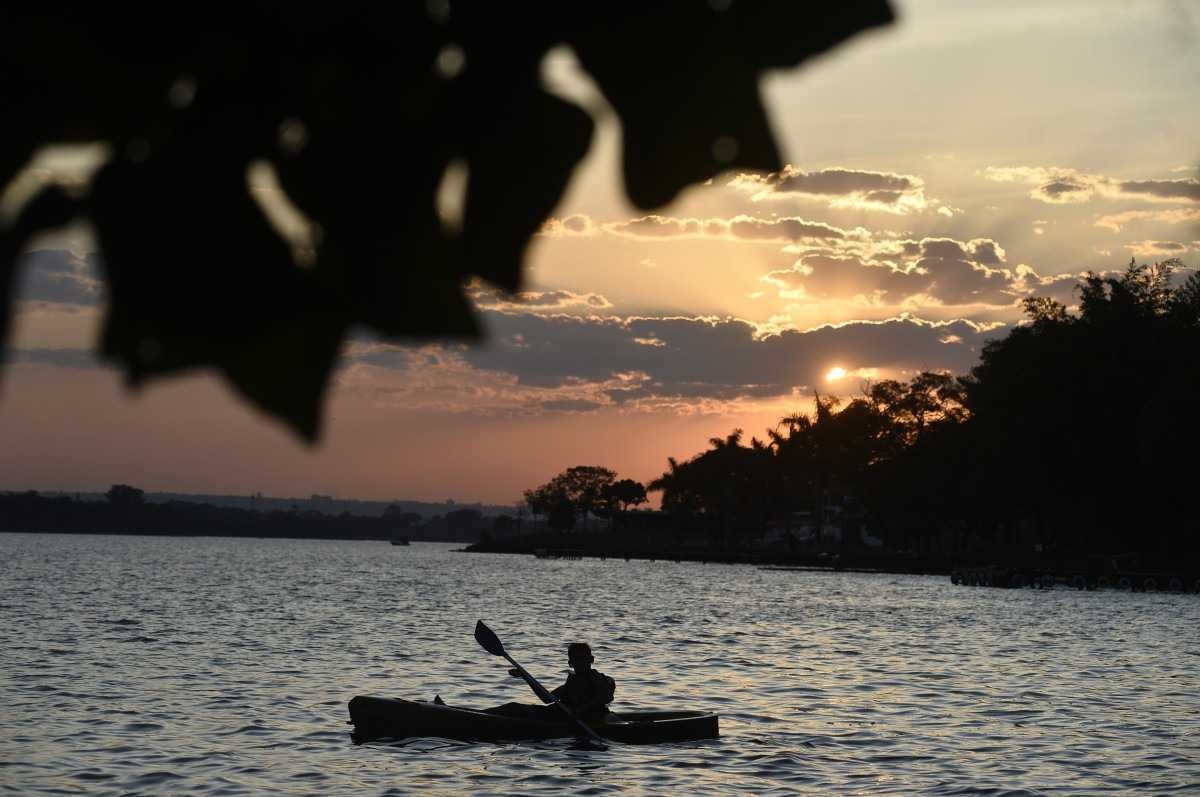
<point>845,181</point>
<point>821,276</point>
<point>577,225</point>
<point>698,357</point>
<point>571,405</point>
<point>939,271</point>
<point>540,363</point>
<point>535,301</point>
<point>1116,221</point>
<point>843,188</point>
<point>746,228</point>
<point>536,364</point>
<point>382,355</point>
<point>1062,288</point>
<point>1054,185</point>
<point>59,276</point>
<point>1058,186</point>
<point>1186,190</point>
<point>966,273</point>
<point>1157,248</point>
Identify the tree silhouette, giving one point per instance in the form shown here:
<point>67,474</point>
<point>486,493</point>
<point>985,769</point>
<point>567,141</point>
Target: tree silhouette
<point>122,496</point>
<point>726,489</point>
<point>1092,409</point>
<point>582,490</point>
<point>1070,438</point>
<point>360,111</point>
<point>619,496</point>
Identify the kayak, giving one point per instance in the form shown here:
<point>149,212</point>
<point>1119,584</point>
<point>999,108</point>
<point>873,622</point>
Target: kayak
<point>383,717</point>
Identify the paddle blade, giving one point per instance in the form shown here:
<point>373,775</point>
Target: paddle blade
<point>488,639</point>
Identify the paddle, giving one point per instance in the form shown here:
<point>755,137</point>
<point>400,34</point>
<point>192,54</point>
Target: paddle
<point>492,644</point>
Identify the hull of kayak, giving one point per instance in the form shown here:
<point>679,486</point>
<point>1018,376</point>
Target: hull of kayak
<point>382,717</point>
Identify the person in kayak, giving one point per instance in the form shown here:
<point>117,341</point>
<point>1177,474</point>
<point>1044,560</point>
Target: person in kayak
<point>587,692</point>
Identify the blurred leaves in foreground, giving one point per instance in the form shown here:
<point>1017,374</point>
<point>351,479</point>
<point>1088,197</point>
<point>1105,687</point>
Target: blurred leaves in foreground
<point>357,112</point>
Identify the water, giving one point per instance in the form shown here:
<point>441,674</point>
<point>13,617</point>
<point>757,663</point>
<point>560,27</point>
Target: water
<point>211,666</point>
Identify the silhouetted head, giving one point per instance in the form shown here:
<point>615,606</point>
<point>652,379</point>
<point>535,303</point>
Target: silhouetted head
<point>579,657</point>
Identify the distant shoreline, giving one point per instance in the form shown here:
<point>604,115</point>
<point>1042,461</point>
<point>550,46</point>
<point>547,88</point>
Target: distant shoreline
<point>213,535</point>
<point>257,502</point>
<point>127,512</point>
<point>637,546</point>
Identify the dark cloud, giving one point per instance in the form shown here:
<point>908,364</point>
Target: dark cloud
<point>963,274</point>
<point>888,191</point>
<point>529,301</point>
<point>782,230</point>
<point>946,248</point>
<point>1059,185</point>
<point>789,229</point>
<point>945,270</point>
<point>846,181</point>
<point>1163,189</point>
<point>1056,189</point>
<point>571,405</point>
<point>987,252</point>
<point>709,358</point>
<point>655,226</point>
<point>957,281</point>
<point>59,276</point>
<point>823,276</point>
<point>884,197</point>
<point>577,223</point>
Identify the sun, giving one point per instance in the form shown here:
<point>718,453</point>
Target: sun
<point>835,373</point>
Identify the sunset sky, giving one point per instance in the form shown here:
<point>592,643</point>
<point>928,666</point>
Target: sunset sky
<point>939,171</point>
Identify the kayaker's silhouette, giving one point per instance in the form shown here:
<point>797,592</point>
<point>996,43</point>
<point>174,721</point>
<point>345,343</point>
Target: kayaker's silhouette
<point>587,691</point>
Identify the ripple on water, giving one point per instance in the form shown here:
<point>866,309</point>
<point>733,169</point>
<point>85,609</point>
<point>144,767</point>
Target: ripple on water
<point>227,669</point>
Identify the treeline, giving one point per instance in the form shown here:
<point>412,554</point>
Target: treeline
<point>583,491</point>
<point>1076,435</point>
<point>125,511</point>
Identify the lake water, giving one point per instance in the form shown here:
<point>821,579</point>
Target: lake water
<point>209,666</point>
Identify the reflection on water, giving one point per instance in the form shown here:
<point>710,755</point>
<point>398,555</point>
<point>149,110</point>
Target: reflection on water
<point>223,667</point>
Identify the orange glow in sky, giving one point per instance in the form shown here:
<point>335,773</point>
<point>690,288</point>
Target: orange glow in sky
<point>938,172</point>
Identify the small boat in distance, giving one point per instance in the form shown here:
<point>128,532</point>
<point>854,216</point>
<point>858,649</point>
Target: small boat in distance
<point>399,540</point>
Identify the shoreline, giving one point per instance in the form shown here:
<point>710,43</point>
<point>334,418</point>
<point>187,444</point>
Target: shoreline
<point>636,547</point>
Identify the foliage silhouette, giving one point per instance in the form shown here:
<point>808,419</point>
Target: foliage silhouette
<point>123,496</point>
<point>620,495</point>
<point>1067,438</point>
<point>360,110</point>
<point>581,490</point>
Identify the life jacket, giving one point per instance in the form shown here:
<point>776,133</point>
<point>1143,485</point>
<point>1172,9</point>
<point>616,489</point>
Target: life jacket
<point>580,689</point>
